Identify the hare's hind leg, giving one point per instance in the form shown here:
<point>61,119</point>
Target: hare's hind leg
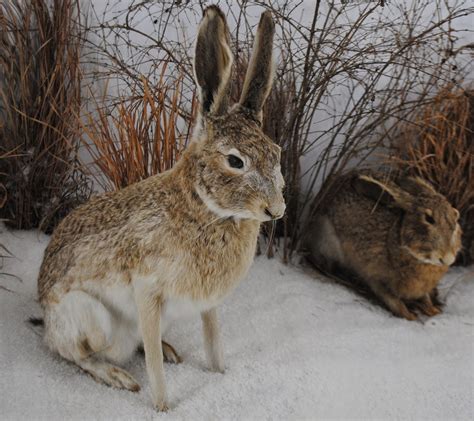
<point>108,374</point>
<point>80,329</point>
<point>393,303</point>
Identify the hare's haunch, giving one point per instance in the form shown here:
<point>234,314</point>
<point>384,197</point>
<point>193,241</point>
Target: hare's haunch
<point>121,266</point>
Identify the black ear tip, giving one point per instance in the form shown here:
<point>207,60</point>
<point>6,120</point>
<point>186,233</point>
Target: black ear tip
<point>266,20</point>
<point>213,11</point>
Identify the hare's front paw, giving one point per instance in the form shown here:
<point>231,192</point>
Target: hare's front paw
<point>218,368</point>
<point>161,406</point>
<point>426,306</point>
<point>430,311</point>
<point>216,360</point>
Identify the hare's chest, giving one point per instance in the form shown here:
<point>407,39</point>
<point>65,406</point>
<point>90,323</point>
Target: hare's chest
<point>421,281</point>
<point>220,261</point>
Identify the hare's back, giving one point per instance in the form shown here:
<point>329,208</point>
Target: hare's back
<point>110,210</point>
<point>350,230</point>
<point>357,218</point>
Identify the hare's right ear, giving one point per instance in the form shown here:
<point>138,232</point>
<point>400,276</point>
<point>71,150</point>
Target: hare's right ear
<point>379,191</point>
<point>213,62</point>
<point>416,186</point>
<point>259,76</point>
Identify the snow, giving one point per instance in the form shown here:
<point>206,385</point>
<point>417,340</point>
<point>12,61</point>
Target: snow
<point>297,346</point>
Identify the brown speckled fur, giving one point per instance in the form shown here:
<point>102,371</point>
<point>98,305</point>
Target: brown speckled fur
<point>124,229</point>
<point>387,242</point>
<point>117,266</point>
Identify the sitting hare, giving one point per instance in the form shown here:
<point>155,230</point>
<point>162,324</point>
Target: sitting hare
<point>398,237</point>
<point>119,267</point>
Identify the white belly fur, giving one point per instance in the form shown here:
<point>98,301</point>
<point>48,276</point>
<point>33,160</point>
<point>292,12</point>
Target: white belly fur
<point>121,303</point>
<point>183,308</point>
<point>106,314</point>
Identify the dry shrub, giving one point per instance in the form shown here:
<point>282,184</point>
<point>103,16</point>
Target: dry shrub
<point>40,88</point>
<point>141,135</point>
<point>438,145</point>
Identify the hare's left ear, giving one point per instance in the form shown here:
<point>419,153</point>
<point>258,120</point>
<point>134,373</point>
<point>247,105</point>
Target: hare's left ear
<point>213,62</point>
<point>259,77</point>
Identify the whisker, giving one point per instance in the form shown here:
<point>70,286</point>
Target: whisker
<point>271,236</point>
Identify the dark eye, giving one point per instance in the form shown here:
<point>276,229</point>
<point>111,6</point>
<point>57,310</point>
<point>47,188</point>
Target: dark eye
<point>429,219</point>
<point>235,161</point>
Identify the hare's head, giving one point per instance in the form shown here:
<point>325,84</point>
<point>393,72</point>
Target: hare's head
<point>429,230</point>
<point>238,166</point>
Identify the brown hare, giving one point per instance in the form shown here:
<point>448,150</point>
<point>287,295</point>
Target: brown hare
<point>398,237</point>
<point>122,265</point>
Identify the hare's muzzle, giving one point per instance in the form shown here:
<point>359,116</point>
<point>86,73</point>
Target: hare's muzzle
<point>448,259</point>
<point>275,211</point>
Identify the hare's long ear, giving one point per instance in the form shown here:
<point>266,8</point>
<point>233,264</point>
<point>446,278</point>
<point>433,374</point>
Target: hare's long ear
<point>213,62</point>
<point>382,192</point>
<point>416,186</point>
<point>259,77</point>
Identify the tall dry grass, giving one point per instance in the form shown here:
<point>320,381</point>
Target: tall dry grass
<point>137,136</point>
<point>40,89</point>
<point>438,145</point>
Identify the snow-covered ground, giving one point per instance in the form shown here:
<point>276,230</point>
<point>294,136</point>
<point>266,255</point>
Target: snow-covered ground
<point>296,347</point>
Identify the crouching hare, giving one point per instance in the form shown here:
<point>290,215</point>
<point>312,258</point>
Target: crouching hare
<point>398,237</point>
<point>121,266</point>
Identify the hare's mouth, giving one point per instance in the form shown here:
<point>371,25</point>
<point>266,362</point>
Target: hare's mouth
<point>425,260</point>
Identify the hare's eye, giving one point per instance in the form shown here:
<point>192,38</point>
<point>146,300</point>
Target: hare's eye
<point>235,161</point>
<point>429,219</point>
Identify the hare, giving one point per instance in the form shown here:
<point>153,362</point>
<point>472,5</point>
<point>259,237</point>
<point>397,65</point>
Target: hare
<point>124,264</point>
<point>397,237</point>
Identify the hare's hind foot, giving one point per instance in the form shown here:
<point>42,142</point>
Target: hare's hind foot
<point>399,309</point>
<point>395,305</point>
<point>109,374</point>
<point>169,354</point>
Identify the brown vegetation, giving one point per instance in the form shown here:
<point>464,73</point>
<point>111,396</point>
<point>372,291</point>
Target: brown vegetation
<point>139,136</point>
<point>40,88</point>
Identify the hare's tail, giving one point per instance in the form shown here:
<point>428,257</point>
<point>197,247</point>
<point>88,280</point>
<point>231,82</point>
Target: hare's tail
<point>36,324</point>
<point>36,321</point>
